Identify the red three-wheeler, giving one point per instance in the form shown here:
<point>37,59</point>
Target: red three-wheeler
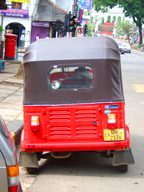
<point>73,101</point>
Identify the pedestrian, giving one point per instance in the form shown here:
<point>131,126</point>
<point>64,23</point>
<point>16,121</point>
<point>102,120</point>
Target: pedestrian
<point>37,37</point>
<point>47,37</point>
<point>8,31</point>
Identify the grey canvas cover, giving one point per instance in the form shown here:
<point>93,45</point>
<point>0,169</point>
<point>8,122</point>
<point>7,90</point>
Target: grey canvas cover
<point>101,54</point>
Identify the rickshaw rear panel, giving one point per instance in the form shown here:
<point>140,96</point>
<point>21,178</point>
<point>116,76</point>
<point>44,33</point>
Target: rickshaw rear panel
<point>73,127</point>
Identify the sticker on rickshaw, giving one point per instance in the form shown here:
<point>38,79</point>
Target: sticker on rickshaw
<point>107,111</point>
<point>113,134</point>
<point>55,84</point>
<point>111,106</point>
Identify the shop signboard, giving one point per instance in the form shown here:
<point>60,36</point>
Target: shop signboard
<point>22,13</point>
<point>40,24</point>
<point>80,15</point>
<point>78,7</point>
<point>20,1</point>
<point>84,4</point>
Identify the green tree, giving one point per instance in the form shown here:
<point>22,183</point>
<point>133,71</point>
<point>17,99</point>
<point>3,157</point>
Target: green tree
<point>132,8</point>
<point>124,28</point>
<point>1,30</point>
<point>91,28</point>
<point>91,25</point>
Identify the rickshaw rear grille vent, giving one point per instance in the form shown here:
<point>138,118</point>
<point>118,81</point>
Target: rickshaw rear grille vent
<point>71,124</point>
<point>86,131</point>
<point>60,132</point>
<point>60,124</point>
<point>84,119</point>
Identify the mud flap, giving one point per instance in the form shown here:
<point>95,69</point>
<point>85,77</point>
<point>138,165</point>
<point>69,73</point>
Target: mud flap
<point>28,159</point>
<point>122,157</point>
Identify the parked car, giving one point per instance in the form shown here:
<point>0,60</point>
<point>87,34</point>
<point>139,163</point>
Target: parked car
<point>127,48</point>
<point>104,35</point>
<point>9,169</point>
<point>121,47</point>
<point>97,35</point>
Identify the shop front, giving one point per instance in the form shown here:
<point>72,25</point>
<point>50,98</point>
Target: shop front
<point>41,28</point>
<point>16,21</point>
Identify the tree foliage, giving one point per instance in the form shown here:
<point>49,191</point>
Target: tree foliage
<point>91,25</point>
<point>124,28</point>
<point>1,29</point>
<point>132,8</point>
<point>104,5</point>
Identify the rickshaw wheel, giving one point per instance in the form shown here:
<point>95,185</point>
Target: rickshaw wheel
<point>123,168</point>
<point>31,170</point>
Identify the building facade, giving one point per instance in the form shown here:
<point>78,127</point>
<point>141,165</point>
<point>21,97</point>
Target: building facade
<point>112,16</point>
<point>45,13</point>
<point>64,4</point>
<point>31,17</point>
<point>17,19</point>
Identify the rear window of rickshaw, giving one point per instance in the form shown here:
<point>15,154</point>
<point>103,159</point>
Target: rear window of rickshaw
<point>70,78</point>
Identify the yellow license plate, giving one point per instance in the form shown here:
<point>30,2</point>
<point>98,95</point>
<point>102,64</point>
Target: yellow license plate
<point>114,134</point>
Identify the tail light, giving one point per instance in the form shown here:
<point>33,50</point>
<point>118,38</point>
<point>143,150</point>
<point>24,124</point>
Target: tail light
<point>111,121</point>
<point>35,125</point>
<point>13,178</point>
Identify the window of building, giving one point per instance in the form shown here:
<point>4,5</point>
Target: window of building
<point>109,19</point>
<point>16,5</point>
<point>78,77</point>
<point>119,18</point>
<point>114,19</point>
<point>102,20</point>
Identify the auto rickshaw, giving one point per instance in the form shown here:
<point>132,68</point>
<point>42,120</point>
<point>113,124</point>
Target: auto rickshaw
<point>73,101</point>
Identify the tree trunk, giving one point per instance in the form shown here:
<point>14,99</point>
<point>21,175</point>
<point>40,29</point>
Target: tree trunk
<point>140,34</point>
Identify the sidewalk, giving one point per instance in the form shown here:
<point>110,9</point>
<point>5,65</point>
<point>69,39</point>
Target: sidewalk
<point>11,97</point>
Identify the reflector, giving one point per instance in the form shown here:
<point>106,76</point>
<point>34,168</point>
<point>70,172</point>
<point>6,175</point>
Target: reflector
<point>35,123</point>
<point>111,120</point>
<point>13,171</point>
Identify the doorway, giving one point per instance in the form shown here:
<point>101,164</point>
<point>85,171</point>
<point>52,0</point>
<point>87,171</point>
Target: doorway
<point>17,29</point>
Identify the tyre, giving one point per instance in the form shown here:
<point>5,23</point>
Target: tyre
<point>123,168</point>
<point>31,170</point>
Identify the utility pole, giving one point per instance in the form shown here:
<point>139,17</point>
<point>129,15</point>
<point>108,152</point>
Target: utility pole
<point>142,22</point>
<point>133,32</point>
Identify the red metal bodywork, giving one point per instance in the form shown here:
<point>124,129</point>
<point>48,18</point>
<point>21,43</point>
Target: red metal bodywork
<point>72,128</point>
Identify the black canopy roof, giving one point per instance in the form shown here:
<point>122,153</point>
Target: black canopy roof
<point>99,53</point>
<point>76,48</point>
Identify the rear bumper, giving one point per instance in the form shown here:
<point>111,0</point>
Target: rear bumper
<point>75,146</point>
<point>79,145</point>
